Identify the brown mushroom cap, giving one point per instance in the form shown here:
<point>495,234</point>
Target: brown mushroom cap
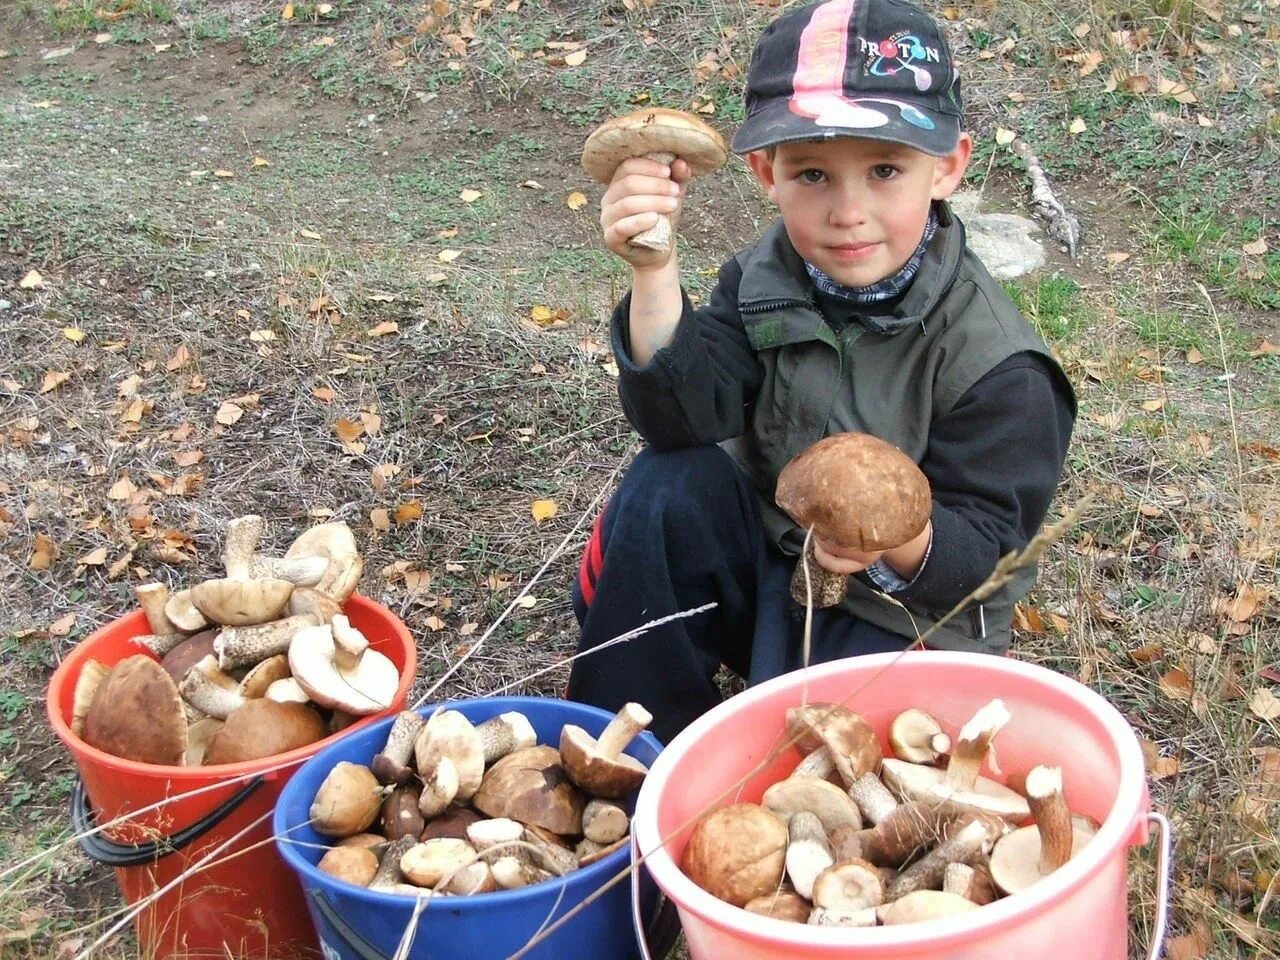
<point>241,603</point>
<point>136,714</point>
<point>347,802</point>
<point>852,742</point>
<point>737,853</point>
<point>263,728</point>
<point>188,653</point>
<point>857,491</point>
<point>531,786</point>
<point>654,130</point>
<point>350,864</point>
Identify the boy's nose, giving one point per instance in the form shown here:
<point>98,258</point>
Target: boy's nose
<point>847,209</point>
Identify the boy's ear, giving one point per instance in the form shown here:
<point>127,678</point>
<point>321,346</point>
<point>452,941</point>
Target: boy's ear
<point>762,167</point>
<point>950,168</point>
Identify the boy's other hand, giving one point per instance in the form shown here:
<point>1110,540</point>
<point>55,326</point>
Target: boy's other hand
<point>838,559</point>
<point>642,189</point>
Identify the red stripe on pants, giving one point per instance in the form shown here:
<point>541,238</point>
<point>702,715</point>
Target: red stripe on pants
<point>592,561</point>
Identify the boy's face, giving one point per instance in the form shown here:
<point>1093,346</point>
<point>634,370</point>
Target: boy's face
<point>856,209</point>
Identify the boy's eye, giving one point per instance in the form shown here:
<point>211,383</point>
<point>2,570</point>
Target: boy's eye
<point>884,171</point>
<point>812,176</point>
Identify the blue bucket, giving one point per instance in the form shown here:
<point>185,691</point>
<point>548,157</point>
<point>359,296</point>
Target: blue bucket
<point>358,924</point>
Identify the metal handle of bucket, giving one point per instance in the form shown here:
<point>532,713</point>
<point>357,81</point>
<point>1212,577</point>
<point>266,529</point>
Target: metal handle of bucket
<point>114,854</point>
<point>362,948</point>
<point>1164,865</point>
<point>658,936</point>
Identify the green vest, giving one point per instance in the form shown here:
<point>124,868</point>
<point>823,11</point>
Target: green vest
<point>953,325</point>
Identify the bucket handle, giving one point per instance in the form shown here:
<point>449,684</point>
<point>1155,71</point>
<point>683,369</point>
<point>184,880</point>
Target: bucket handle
<point>107,851</point>
<point>656,938</point>
<point>363,949</point>
<point>1164,865</point>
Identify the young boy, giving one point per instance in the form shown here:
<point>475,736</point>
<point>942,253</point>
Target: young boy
<point>861,309</point>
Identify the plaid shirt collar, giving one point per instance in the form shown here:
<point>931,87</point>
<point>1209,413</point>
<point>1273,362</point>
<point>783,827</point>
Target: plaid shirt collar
<point>881,290</point>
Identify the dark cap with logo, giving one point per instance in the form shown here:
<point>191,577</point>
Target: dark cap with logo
<point>878,69</point>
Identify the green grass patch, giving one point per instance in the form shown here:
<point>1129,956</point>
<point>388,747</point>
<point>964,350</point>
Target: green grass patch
<point>1052,304</point>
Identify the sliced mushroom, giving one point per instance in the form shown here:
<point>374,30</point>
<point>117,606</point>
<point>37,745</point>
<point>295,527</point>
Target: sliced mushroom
<point>737,853</point>
<point>136,714</point>
<point>599,766</point>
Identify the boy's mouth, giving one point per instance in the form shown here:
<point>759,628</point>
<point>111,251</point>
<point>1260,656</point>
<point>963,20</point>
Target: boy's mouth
<point>853,251</point>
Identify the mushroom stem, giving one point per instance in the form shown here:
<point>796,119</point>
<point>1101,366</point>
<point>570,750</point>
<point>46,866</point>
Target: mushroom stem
<point>152,597</point>
<point>1052,816</point>
<point>969,882</point>
<point>808,853</point>
<point>512,873</point>
<point>392,764</point>
<point>243,534</point>
<point>828,589</point>
<point>915,736</point>
<point>622,729</point>
<point>972,745</point>
<point>604,821</point>
<point>555,858</point>
<point>901,835</point>
<point>389,873</point>
<point>209,690</point>
<point>348,642</point>
<point>927,872</point>
<point>829,917</point>
<point>241,646</point>
<point>504,734</point>
<point>873,798</point>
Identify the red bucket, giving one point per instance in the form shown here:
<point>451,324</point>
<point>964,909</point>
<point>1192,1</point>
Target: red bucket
<point>242,900</point>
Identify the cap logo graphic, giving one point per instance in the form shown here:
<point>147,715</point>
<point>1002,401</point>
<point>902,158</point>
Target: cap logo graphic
<point>900,52</point>
<point>818,83</point>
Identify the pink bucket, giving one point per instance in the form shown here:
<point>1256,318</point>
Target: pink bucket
<point>1080,912</point>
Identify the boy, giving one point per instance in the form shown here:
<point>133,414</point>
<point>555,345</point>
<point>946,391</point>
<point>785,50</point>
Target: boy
<point>860,309</point>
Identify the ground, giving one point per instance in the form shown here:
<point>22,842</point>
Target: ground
<point>340,261</point>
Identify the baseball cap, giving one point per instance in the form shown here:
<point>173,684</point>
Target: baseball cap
<point>879,69</point>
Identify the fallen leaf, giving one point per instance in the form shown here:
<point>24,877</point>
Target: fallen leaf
<point>434,623</point>
<point>262,336</point>
<point>408,512</point>
<point>261,162</point>
<point>53,379</point>
<point>1257,248</point>
<point>467,629</point>
<point>32,281</point>
<point>577,200</point>
<point>74,334</point>
<point>43,553</point>
<point>448,256</point>
<point>1194,355</point>
<point>528,602</point>
<point>1146,653</point>
<point>348,430</point>
<point>324,42</point>
<point>384,328</point>
<point>287,12</point>
<point>323,394</point>
<point>122,489</point>
<point>62,626</point>
<point>1175,90</point>
<point>1077,126</point>
<point>309,235</point>
<point>179,359</point>
<point>224,174</point>
<point>470,196</point>
<point>576,59</point>
<point>1177,684</point>
<point>1190,946</point>
<point>380,519</point>
<point>1264,704</point>
<point>372,422</point>
<point>1265,348</point>
<point>188,458</point>
<point>1243,605</point>
<point>94,558</point>
<point>382,475</point>
<point>229,413</point>
<point>1117,256</point>
<point>543,510</point>
<point>1151,406</point>
<point>1004,137</point>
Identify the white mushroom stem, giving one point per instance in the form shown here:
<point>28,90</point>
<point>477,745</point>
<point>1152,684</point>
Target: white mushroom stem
<point>152,597</point>
<point>916,736</point>
<point>622,729</point>
<point>552,857</point>
<point>964,881</point>
<point>243,534</point>
<point>210,690</point>
<point>927,872</point>
<point>349,643</point>
<point>505,734</point>
<point>873,798</point>
<point>300,571</point>
<point>241,646</point>
<point>505,837</point>
<point>512,873</point>
<point>392,764</point>
<point>159,644</point>
<point>604,821</point>
<point>1052,816</point>
<point>829,917</point>
<point>973,744</point>
<point>389,873</point>
<point>808,852</point>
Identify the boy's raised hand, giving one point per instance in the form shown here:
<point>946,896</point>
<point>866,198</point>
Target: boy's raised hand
<point>642,189</point>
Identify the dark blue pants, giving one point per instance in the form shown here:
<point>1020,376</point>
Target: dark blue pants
<point>683,530</point>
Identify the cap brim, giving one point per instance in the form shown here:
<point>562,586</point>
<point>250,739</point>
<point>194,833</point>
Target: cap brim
<point>869,118</point>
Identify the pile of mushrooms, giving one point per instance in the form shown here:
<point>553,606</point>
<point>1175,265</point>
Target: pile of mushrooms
<point>452,808</point>
<point>856,839</point>
<point>256,663</point>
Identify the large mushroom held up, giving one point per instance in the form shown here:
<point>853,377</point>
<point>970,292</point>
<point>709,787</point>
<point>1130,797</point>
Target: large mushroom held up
<point>661,135</point>
<point>855,491</point>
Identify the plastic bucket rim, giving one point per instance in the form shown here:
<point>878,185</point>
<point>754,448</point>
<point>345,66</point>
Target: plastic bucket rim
<point>226,772</point>
<point>1112,835</point>
<point>471,902</point>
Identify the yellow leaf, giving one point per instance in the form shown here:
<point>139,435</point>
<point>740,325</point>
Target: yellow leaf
<point>540,314</point>
<point>470,196</point>
<point>180,358</point>
<point>161,47</point>
<point>323,42</point>
<point>62,626</point>
<point>1194,356</point>
<point>467,629</point>
<point>261,162</point>
<point>32,281</point>
<point>1004,137</point>
<point>229,413</point>
<point>309,234</point>
<point>384,328</point>
<point>53,379</point>
<point>1177,684</point>
<point>409,511</point>
<point>448,233</point>
<point>74,334</point>
<point>1264,704</point>
<point>448,256</point>
<point>1077,126</point>
<point>262,336</point>
<point>1257,248</point>
<point>576,59</point>
<point>527,601</point>
<point>382,475</point>
<point>1151,406</point>
<point>380,519</point>
<point>287,12</point>
<point>372,422</point>
<point>224,174</point>
<point>188,458</point>
<point>577,200</point>
<point>348,430</point>
<point>434,623</point>
<point>323,394</point>
<point>94,558</point>
<point>43,554</point>
<point>122,489</point>
<point>1175,90</point>
<point>543,510</point>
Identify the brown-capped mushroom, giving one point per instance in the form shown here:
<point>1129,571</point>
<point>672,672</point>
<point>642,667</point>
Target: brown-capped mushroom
<point>348,801</point>
<point>263,728</point>
<point>336,667</point>
<point>828,802</point>
<point>400,814</point>
<point>187,653</point>
<point>855,491</point>
<point>91,674</point>
<point>355,865</point>
<point>531,786</point>
<point>136,714</point>
<point>599,766</point>
<point>737,853</point>
<point>391,764</point>
<point>660,134</point>
<point>239,599</point>
<point>452,823</point>
<point>781,905</point>
<point>335,542</point>
<point>449,737</point>
<point>849,739</point>
<point>262,675</point>
<point>1029,854</point>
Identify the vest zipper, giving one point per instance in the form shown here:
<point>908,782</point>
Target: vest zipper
<point>767,305</point>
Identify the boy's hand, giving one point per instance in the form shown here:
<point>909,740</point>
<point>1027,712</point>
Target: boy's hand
<point>640,190</point>
<point>837,559</point>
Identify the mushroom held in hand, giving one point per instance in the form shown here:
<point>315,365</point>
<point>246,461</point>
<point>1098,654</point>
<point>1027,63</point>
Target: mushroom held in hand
<point>855,491</point>
<point>660,134</point>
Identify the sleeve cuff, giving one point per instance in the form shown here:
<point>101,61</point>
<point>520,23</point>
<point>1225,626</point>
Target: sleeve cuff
<point>889,580</point>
